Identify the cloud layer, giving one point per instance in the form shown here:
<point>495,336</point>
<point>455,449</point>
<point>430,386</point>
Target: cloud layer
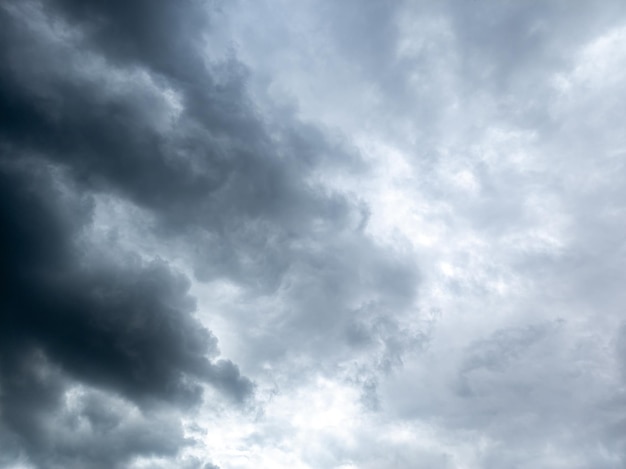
<point>324,234</point>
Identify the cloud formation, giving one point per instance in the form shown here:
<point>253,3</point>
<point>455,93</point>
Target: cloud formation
<point>352,234</point>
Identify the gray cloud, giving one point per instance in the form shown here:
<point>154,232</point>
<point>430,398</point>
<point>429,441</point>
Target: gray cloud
<point>52,425</point>
<point>275,173</point>
<point>121,100</point>
<point>507,116</point>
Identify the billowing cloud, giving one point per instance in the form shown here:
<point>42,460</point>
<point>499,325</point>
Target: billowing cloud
<point>316,234</point>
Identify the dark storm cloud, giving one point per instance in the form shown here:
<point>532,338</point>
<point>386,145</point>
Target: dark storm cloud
<point>104,142</point>
<point>122,326</point>
<point>237,190</point>
<point>215,165</point>
<point>52,424</point>
<point>125,99</point>
<point>104,321</point>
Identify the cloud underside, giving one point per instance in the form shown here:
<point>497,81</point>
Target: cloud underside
<point>117,101</point>
<point>347,234</point>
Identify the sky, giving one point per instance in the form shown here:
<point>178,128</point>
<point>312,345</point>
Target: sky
<point>313,234</point>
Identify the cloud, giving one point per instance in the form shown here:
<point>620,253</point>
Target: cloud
<point>122,326</point>
<point>70,311</point>
<point>401,223</point>
<point>52,423</point>
<point>122,102</point>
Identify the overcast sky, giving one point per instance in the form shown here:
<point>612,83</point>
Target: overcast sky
<point>312,234</point>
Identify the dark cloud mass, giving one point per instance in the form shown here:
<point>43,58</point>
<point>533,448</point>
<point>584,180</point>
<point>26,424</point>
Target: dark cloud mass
<point>123,326</point>
<point>69,312</point>
<point>123,98</point>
